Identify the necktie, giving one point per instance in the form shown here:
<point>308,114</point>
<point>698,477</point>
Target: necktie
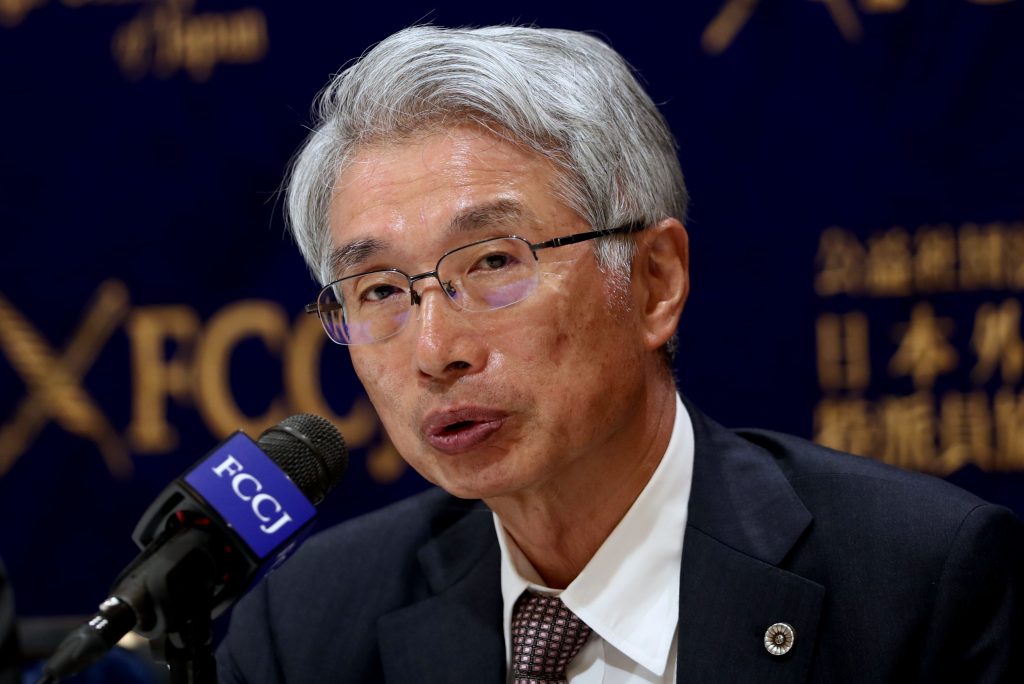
<point>545,637</point>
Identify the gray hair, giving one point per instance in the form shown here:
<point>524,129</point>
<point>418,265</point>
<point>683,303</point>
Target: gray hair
<point>563,94</point>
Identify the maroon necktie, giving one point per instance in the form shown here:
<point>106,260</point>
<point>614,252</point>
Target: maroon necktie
<point>545,637</point>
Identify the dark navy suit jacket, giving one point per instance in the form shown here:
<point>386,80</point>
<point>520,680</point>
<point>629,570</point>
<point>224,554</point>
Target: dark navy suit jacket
<point>886,576</point>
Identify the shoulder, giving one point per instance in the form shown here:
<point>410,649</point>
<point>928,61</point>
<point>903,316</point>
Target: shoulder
<point>806,464</point>
<point>756,480</point>
<point>851,496</point>
<point>909,558</point>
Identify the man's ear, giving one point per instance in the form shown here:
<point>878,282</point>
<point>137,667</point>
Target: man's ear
<point>661,279</point>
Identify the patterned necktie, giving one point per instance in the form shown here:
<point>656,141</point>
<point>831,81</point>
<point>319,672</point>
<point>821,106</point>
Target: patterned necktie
<point>545,637</point>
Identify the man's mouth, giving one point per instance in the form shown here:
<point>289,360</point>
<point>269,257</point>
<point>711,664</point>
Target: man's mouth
<point>458,430</point>
<point>457,427</point>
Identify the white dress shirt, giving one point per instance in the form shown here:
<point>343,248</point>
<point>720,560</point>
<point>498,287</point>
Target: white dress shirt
<point>629,591</point>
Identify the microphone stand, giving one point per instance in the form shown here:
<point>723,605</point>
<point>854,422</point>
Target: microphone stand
<point>189,651</point>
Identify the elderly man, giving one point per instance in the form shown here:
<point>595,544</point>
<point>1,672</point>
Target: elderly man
<point>496,215</point>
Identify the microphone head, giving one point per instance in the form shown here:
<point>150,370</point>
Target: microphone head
<point>310,451</point>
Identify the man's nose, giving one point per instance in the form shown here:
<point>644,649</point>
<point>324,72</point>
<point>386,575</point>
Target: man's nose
<point>448,346</point>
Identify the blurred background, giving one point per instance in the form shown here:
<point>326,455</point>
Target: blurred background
<point>857,227</point>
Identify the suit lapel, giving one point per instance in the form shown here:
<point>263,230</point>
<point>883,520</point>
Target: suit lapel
<point>456,634</point>
<point>744,518</point>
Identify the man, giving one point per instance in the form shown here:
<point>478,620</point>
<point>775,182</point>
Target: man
<point>496,215</point>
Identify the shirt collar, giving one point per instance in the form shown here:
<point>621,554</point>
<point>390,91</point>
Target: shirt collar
<point>629,591</point>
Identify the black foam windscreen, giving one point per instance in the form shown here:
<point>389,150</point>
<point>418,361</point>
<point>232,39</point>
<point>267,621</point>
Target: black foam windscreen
<point>291,444</point>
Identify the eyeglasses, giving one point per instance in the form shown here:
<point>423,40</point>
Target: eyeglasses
<point>481,276</point>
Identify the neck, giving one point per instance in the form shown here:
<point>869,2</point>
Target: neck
<point>560,527</point>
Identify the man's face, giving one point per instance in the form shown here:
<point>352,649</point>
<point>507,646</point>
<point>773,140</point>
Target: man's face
<point>503,402</point>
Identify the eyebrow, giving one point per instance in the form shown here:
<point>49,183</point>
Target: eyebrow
<point>502,212</point>
<point>352,254</point>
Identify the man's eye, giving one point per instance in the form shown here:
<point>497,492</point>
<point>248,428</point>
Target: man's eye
<point>379,293</point>
<point>495,262</point>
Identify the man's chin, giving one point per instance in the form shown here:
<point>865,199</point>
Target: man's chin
<point>464,490</point>
<point>480,485</point>
<point>478,474</point>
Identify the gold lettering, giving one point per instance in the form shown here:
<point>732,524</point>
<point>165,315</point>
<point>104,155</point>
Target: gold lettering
<point>908,431</point>
<point>840,263</point>
<point>924,352</point>
<point>721,32</point>
<point>882,6</point>
<point>997,342</point>
<point>935,259</point>
<point>54,382</point>
<point>843,359</point>
<point>155,376</point>
<point>1009,431</point>
<point>846,20</point>
<point>981,256</point>
<point>965,431</point>
<point>1013,252</point>
<point>131,47</point>
<point>251,36</point>
<point>75,4</point>
<point>232,324</point>
<point>13,12</point>
<point>845,424</point>
<point>889,264</point>
<point>201,45</point>
<point>168,38</point>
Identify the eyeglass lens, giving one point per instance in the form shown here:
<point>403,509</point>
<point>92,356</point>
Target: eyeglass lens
<point>482,276</point>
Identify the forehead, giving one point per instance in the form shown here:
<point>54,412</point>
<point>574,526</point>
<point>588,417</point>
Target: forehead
<point>421,185</point>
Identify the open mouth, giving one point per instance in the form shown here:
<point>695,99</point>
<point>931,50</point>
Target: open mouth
<point>455,427</point>
<point>460,430</point>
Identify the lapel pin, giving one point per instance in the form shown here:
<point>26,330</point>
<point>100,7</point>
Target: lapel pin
<point>779,638</point>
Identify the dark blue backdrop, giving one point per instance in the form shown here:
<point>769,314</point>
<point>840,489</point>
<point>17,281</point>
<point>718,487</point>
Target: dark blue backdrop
<point>857,241</point>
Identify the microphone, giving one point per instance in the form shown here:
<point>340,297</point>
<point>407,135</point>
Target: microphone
<point>212,533</point>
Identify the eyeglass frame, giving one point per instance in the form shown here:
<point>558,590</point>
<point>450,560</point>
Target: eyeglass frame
<point>562,241</point>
